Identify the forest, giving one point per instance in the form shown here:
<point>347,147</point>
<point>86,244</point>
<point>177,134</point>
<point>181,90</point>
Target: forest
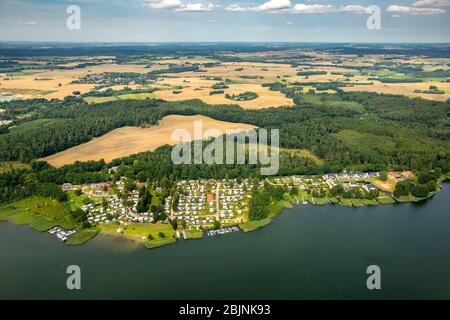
<point>353,131</point>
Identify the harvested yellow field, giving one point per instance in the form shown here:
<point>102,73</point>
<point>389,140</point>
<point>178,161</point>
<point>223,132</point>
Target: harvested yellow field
<point>28,88</point>
<point>232,71</point>
<point>51,84</point>
<point>130,140</point>
<point>196,88</point>
<point>406,89</point>
<point>318,78</point>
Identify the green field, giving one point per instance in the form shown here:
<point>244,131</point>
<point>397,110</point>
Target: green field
<point>365,141</point>
<point>141,231</point>
<point>40,213</point>
<point>32,124</point>
<point>256,224</point>
<point>81,237</point>
<point>191,235</point>
<point>128,96</point>
<point>385,200</point>
<point>321,201</point>
<point>369,202</point>
<point>278,207</point>
<point>334,200</point>
<point>13,165</point>
<point>345,202</point>
<point>356,202</point>
<point>329,101</point>
<point>99,99</point>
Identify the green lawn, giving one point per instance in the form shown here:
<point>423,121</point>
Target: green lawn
<point>345,202</point>
<point>278,207</point>
<point>369,202</point>
<point>81,237</point>
<point>385,200</point>
<point>141,231</point>
<point>411,198</point>
<point>74,200</point>
<point>40,213</point>
<point>321,201</point>
<point>356,202</point>
<point>253,225</point>
<point>334,200</point>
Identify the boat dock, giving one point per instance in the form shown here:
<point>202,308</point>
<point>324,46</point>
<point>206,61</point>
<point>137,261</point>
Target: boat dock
<point>222,231</point>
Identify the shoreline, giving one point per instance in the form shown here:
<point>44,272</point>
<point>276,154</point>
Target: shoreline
<point>85,235</point>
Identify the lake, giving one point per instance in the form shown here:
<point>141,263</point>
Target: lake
<point>307,252</point>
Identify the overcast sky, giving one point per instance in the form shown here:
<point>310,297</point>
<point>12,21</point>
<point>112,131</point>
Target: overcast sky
<point>225,20</point>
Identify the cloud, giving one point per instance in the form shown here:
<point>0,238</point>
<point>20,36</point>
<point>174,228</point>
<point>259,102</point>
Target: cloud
<point>313,8</point>
<point>356,9</point>
<point>178,5</point>
<point>414,10</point>
<point>164,4</point>
<point>432,3</point>
<point>273,5</point>
<point>196,7</point>
<point>235,8</point>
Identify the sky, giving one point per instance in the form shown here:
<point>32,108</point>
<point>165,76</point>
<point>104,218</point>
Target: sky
<point>226,20</point>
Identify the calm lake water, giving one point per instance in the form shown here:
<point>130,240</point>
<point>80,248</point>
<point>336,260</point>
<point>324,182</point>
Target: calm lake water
<point>307,252</point>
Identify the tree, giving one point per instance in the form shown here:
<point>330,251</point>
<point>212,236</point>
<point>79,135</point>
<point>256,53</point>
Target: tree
<point>144,200</point>
<point>420,191</point>
<point>294,191</point>
<point>337,190</point>
<point>129,186</point>
<point>165,183</point>
<point>259,206</point>
<point>104,203</point>
<point>174,224</point>
<point>403,188</point>
<point>3,129</point>
<point>383,176</point>
<point>161,235</point>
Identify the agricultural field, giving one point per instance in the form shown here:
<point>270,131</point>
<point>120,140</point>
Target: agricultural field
<point>130,140</point>
<point>175,89</point>
<point>407,89</point>
<point>58,84</point>
<point>181,77</point>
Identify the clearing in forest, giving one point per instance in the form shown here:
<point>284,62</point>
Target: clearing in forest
<point>130,140</point>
